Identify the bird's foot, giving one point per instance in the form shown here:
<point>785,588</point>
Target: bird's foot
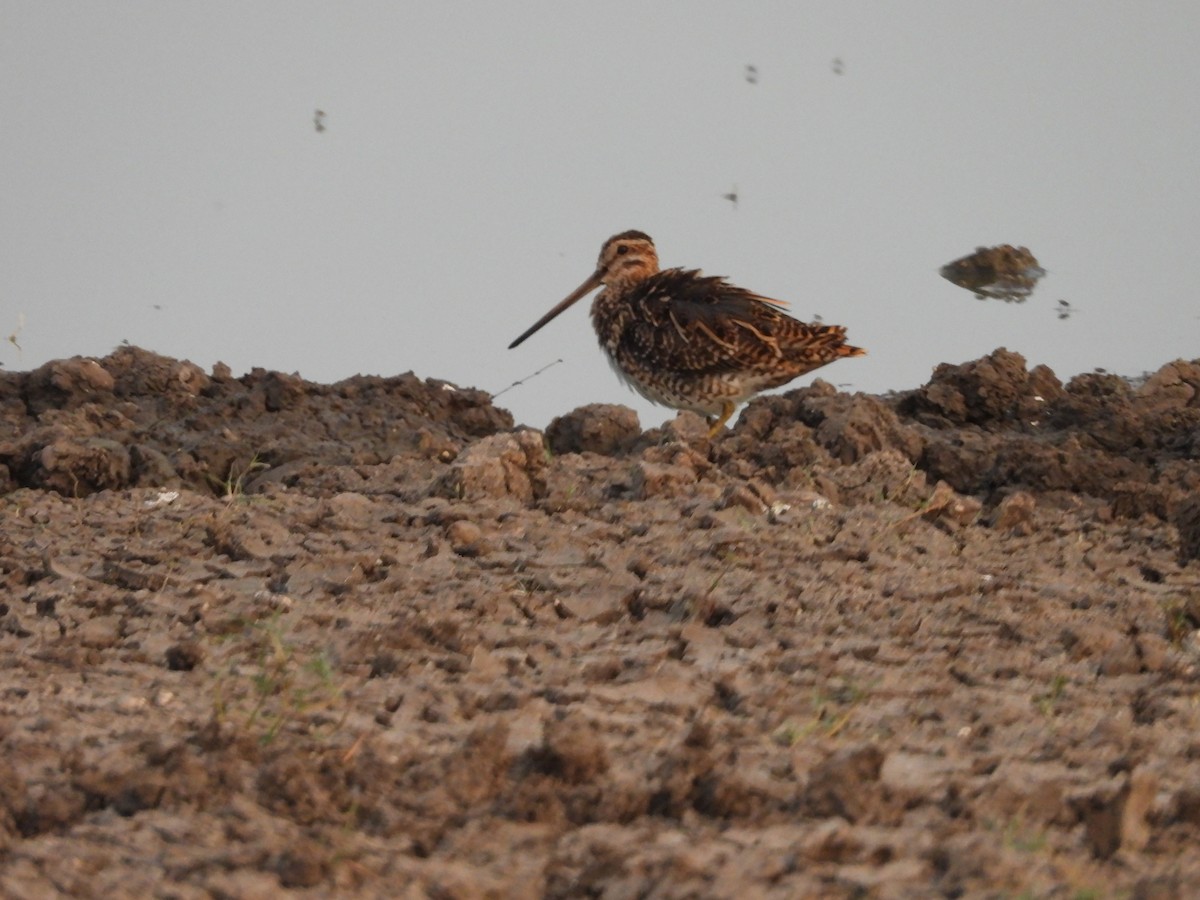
<point>718,422</point>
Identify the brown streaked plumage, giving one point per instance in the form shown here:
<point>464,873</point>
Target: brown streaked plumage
<point>692,341</point>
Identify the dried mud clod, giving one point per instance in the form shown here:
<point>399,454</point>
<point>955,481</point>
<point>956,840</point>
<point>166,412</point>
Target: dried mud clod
<point>499,466</point>
<point>1002,272</point>
<point>996,388</point>
<point>599,428</point>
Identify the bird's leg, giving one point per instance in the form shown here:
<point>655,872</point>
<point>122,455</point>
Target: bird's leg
<point>727,409</point>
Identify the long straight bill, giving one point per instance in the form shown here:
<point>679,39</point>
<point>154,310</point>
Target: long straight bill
<point>584,289</point>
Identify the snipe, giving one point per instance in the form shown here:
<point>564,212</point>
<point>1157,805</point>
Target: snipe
<point>692,341</point>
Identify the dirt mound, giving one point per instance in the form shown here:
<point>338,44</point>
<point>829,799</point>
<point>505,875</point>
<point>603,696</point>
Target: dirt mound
<point>369,639</point>
<point>136,419</point>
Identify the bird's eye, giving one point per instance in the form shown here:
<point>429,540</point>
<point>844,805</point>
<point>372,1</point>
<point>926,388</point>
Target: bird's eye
<point>622,250</point>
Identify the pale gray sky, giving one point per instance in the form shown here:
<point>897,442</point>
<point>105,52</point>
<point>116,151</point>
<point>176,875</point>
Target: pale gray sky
<point>163,182</point>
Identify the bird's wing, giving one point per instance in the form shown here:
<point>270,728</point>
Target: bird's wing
<point>690,322</point>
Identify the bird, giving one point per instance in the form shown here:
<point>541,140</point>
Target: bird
<point>691,341</point>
